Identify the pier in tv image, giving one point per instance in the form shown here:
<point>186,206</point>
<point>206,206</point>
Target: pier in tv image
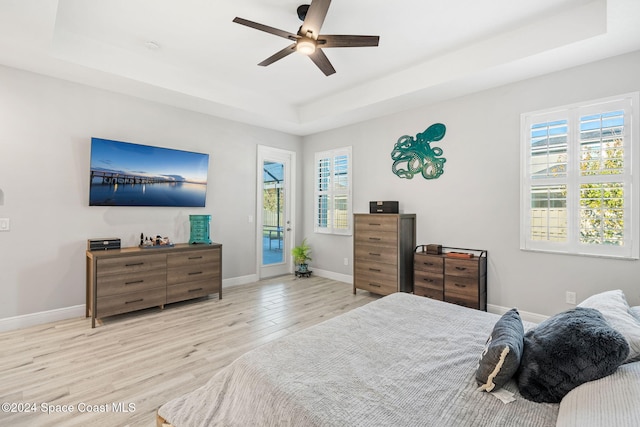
<point>126,174</point>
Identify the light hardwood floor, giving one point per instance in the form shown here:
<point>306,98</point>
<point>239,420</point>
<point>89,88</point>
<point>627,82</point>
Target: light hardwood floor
<point>149,357</point>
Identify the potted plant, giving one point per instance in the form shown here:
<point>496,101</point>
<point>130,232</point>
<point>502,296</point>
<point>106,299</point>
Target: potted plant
<point>301,255</point>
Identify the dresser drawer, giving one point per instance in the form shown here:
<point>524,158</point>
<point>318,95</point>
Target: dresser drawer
<point>376,223</point>
<point>461,286</point>
<point>124,283</point>
<point>381,271</point>
<point>369,283</point>
<point>211,256</point>
<point>427,279</point>
<point>428,292</point>
<point>463,301</point>
<point>461,267</point>
<point>131,264</point>
<point>376,254</point>
<point>377,238</point>
<point>191,273</point>
<point>433,264</point>
<point>124,303</point>
<point>185,291</point>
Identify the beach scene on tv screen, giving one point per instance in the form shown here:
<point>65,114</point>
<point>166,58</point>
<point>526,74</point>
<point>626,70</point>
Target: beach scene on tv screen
<point>126,174</point>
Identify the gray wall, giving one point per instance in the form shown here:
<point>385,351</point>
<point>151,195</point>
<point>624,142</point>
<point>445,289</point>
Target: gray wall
<point>44,165</point>
<point>475,203</point>
<point>45,133</point>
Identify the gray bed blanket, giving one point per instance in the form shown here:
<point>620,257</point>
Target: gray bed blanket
<point>402,360</point>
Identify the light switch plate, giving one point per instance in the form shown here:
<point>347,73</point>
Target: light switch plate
<point>4,224</point>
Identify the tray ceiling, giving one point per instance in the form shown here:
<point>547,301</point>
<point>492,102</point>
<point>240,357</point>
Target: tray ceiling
<point>190,54</point>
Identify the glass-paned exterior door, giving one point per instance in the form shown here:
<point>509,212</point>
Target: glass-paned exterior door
<point>275,211</point>
<point>273,217</point>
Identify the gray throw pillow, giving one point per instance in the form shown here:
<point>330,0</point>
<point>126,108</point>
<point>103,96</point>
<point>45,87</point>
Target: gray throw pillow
<point>501,356</point>
<point>567,350</point>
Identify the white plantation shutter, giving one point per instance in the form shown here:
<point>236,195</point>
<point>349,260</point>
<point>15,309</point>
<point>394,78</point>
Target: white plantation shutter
<point>579,173</point>
<point>332,192</point>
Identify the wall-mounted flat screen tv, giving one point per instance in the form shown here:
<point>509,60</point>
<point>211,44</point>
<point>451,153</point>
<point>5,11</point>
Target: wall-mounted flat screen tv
<point>125,174</point>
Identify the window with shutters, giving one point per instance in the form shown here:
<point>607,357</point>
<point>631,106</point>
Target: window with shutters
<point>579,176</point>
<point>333,191</point>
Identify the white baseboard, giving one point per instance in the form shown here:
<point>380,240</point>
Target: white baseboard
<point>33,319</point>
<point>491,308</point>
<point>242,280</point>
<point>525,315</point>
<point>347,278</point>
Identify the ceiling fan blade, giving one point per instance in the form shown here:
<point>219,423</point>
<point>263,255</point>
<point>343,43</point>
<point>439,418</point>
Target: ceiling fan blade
<point>315,18</point>
<point>348,41</point>
<point>265,28</point>
<point>320,59</point>
<point>279,55</point>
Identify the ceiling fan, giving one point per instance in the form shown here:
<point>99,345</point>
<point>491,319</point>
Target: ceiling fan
<point>308,40</point>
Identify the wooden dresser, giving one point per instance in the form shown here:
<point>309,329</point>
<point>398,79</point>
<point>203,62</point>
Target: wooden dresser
<point>456,280</point>
<point>129,279</point>
<point>383,246</point>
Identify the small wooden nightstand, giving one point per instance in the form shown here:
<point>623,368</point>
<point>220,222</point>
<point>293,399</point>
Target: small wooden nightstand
<point>462,281</point>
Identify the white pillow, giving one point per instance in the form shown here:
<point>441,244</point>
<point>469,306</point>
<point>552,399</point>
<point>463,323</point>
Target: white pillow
<point>615,309</point>
<point>609,401</point>
<point>636,312</point>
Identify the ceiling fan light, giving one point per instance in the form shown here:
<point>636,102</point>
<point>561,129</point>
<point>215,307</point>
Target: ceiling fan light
<point>306,46</point>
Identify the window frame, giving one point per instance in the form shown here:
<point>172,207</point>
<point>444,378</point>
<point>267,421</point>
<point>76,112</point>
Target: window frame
<point>630,177</point>
<point>332,192</point>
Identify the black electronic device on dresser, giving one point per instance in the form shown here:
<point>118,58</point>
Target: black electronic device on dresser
<point>103,244</point>
<point>384,207</point>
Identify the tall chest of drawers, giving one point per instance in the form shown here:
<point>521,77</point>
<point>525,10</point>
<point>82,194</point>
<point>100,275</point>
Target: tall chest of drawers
<point>124,280</point>
<point>456,280</point>
<point>383,246</point>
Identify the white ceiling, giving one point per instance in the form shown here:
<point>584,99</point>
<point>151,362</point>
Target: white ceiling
<point>429,50</point>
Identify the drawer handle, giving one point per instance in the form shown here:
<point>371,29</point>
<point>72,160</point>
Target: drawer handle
<point>374,238</point>
<point>461,268</point>
<point>428,263</point>
<point>195,272</point>
<point>372,254</point>
<point>134,282</point>
<point>428,280</point>
<point>196,257</point>
<point>375,224</point>
<point>136,300</point>
<point>459,285</point>
<point>374,269</point>
<point>374,285</point>
<point>134,264</point>
<point>195,290</point>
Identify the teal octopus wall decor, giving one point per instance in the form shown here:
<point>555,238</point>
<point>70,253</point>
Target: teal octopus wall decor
<point>412,156</point>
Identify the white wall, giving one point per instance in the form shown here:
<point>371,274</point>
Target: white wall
<point>475,203</point>
<point>46,127</point>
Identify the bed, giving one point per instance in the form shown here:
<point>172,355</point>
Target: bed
<point>402,360</point>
